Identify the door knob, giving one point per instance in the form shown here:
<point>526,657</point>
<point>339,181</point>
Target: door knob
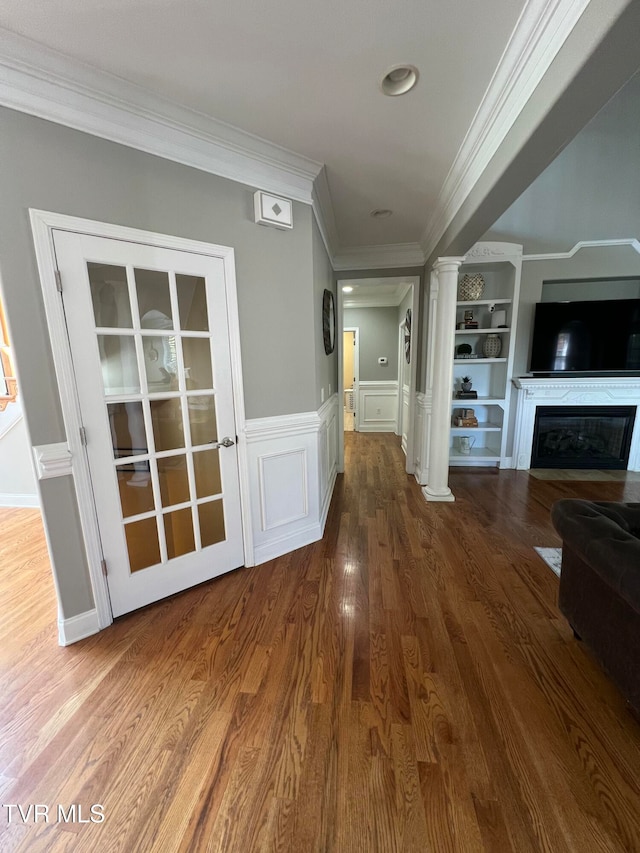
<point>226,442</point>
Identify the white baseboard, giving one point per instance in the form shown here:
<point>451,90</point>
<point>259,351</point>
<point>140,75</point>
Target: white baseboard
<point>78,627</point>
<point>19,500</point>
<point>276,547</point>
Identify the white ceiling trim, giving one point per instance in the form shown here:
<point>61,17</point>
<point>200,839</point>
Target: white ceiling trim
<point>584,244</point>
<point>379,257</point>
<point>539,34</point>
<point>44,83</point>
<point>323,212</point>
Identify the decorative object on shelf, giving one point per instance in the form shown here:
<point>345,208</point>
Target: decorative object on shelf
<point>328,321</point>
<point>463,350</point>
<point>465,443</point>
<point>465,418</point>
<point>471,287</point>
<point>466,393</point>
<point>492,346</point>
<point>498,319</point>
<point>468,322</point>
<point>407,336</point>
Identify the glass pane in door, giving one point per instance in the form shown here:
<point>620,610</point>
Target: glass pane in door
<point>128,434</point>
<point>136,489</point>
<point>192,303</point>
<point>202,419</point>
<point>206,466</point>
<point>211,517</point>
<point>142,543</point>
<point>110,296</point>
<point>178,528</point>
<point>119,364</point>
<point>154,299</point>
<point>174,480</point>
<point>197,363</point>
<point>168,429</point>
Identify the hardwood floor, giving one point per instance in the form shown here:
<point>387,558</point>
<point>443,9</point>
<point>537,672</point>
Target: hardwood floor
<point>406,684</point>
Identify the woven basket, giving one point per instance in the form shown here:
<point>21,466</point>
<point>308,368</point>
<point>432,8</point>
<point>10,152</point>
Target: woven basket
<point>471,287</point>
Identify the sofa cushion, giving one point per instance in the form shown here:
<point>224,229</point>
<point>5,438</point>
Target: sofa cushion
<point>605,535</point>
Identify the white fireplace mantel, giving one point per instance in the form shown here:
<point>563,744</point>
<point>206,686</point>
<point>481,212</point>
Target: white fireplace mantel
<point>558,391</point>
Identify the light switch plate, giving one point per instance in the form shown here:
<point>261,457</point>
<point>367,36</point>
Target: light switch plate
<point>272,210</point>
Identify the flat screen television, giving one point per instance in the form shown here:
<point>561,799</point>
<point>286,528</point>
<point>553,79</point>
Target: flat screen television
<point>600,337</point>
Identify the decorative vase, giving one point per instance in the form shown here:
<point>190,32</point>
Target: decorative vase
<point>491,346</point>
<point>471,287</point>
<point>466,386</point>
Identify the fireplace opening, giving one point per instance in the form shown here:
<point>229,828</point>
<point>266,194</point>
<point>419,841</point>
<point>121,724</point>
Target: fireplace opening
<point>582,437</point>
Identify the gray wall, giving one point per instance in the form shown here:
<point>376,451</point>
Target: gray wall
<point>50,167</point>
<point>326,365</point>
<point>16,470</point>
<point>378,337</point>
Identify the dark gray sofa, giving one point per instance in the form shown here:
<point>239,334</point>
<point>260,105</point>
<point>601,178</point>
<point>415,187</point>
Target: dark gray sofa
<point>600,584</point>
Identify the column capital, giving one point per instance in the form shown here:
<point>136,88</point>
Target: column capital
<point>447,264</point>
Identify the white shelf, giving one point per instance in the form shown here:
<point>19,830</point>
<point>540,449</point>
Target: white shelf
<point>482,427</point>
<point>476,453</point>
<point>468,403</point>
<point>464,302</point>
<point>501,266</point>
<point>497,331</point>
<point>480,360</point>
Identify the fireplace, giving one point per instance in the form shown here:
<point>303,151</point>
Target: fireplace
<point>582,436</point>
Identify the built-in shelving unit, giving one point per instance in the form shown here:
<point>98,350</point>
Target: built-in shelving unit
<point>501,267</point>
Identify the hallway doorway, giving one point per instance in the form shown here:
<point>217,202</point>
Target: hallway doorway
<point>350,372</point>
<point>377,377</point>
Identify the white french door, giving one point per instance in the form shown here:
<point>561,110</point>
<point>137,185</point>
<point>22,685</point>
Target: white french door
<point>149,340</point>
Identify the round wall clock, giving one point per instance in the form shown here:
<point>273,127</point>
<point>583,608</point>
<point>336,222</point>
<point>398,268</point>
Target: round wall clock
<point>407,336</point>
<point>328,321</point>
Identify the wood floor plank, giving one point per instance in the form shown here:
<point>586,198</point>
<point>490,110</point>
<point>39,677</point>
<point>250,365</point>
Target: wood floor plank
<point>405,684</point>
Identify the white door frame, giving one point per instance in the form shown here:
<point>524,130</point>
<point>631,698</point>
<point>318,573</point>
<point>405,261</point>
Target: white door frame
<point>43,223</point>
<point>356,370</point>
<point>410,466</point>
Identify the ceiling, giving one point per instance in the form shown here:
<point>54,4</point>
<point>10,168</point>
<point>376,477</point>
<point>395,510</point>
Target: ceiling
<point>291,79</point>
<point>375,292</point>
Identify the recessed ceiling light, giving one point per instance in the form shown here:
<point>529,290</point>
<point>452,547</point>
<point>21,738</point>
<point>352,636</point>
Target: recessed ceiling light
<point>399,79</point>
<point>347,289</point>
<point>381,213</point>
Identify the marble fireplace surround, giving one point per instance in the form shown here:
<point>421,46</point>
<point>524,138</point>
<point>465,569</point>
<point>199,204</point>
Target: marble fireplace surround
<point>532,392</point>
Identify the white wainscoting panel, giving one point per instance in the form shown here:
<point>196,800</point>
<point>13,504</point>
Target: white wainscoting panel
<point>405,417</point>
<point>284,493</point>
<point>377,409</point>
<point>292,471</point>
<point>422,434</point>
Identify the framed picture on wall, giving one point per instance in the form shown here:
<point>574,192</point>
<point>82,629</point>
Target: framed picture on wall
<point>328,321</point>
<point>407,336</point>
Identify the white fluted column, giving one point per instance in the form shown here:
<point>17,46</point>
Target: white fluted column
<point>444,281</point>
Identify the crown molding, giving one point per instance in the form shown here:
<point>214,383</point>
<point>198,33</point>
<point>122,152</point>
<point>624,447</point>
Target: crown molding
<point>322,206</point>
<point>379,257</point>
<point>44,83</point>
<point>584,244</point>
<point>540,32</point>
